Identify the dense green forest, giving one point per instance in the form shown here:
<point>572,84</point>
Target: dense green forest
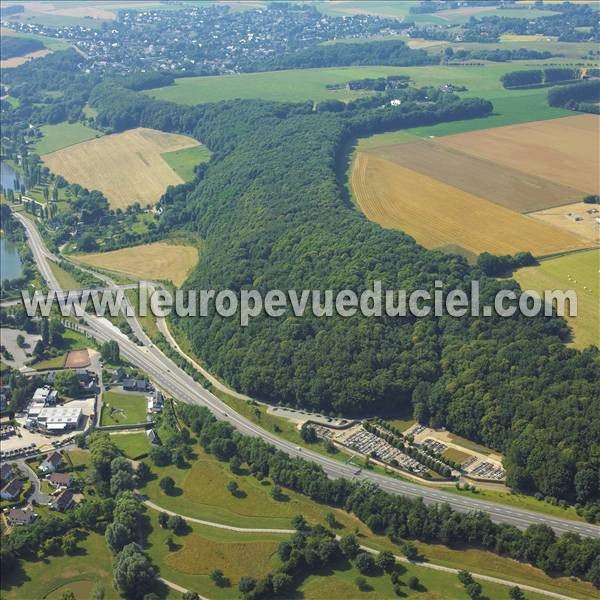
<point>11,46</point>
<point>584,96</point>
<point>394,52</point>
<point>273,214</point>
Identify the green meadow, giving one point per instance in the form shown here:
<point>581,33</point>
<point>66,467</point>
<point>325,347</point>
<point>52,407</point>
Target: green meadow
<point>184,161</point>
<point>63,135</point>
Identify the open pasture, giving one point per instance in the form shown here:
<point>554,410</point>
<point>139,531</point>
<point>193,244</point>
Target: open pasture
<point>578,218</point>
<point>127,167</point>
<point>437,214</point>
<point>159,260</point>
<point>504,186</point>
<point>565,151</point>
<point>577,271</point>
<point>62,135</point>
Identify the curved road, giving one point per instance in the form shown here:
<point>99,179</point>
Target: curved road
<point>176,382</point>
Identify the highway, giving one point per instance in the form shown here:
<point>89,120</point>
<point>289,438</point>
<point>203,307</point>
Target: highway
<point>176,382</point>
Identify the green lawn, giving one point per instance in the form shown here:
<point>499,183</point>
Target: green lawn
<point>340,582</point>
<point>195,554</point>
<point>123,408</point>
<point>184,161</point>
<point>133,445</point>
<point>62,135</point>
<point>65,279</point>
<point>51,577</point>
<point>56,362</point>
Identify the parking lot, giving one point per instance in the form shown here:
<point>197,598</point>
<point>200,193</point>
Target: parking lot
<point>366,443</point>
<point>24,442</point>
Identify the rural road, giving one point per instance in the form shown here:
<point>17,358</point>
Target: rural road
<point>403,559</point>
<point>177,383</point>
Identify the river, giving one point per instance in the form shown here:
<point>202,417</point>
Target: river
<point>8,176</point>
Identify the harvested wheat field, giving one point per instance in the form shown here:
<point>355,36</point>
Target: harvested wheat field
<point>564,150</point>
<point>17,61</point>
<point>126,167</point>
<point>158,261</point>
<point>502,185</point>
<point>578,218</point>
<point>437,214</point>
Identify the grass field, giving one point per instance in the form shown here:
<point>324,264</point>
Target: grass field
<point>565,151</point>
<point>310,84</point>
<point>157,261</point>
<point>457,456</point>
<point>63,135</point>
<point>194,555</point>
<point>123,408</point>
<point>184,161</point>
<point>508,110</point>
<point>202,494</point>
<point>127,167</point>
<point>64,278</point>
<point>133,445</point>
<point>393,197</point>
<point>576,271</point>
<point>50,42</point>
<point>58,362</point>
<point>50,577</point>
<point>508,187</point>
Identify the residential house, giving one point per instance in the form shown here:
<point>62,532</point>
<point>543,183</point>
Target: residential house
<point>18,516</point>
<point>11,490</point>
<point>61,480</point>
<point>6,472</point>
<point>52,462</point>
<point>64,501</point>
<point>135,385</point>
<point>152,436</point>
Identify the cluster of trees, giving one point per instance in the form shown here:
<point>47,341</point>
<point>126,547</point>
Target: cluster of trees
<point>536,77</point>
<point>584,96</point>
<point>497,266</point>
<point>280,220</point>
<point>397,516</point>
<point>393,53</point>
<point>376,84</point>
<point>498,54</point>
<point>12,45</point>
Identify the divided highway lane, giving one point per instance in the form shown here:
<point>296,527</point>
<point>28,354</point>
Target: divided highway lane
<point>180,385</point>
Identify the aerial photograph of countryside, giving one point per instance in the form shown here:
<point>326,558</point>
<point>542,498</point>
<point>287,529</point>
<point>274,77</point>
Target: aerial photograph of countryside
<point>299,299</point>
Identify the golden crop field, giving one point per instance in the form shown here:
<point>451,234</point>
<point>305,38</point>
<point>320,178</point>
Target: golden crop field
<point>564,150</point>
<point>438,215</point>
<point>577,271</point>
<point>17,61</point>
<point>126,167</point>
<point>502,185</point>
<point>158,261</point>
